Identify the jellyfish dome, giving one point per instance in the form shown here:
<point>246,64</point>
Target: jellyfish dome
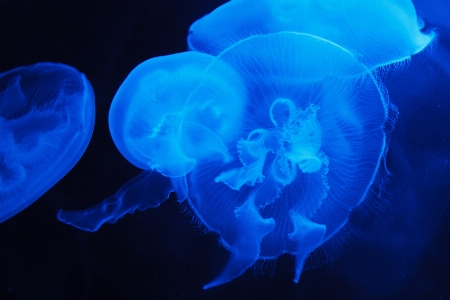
<point>150,105</point>
<point>46,122</point>
<point>379,32</point>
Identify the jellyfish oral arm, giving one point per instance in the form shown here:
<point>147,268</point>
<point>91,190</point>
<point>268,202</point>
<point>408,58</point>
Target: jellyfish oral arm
<point>252,154</point>
<point>296,141</point>
<point>308,235</point>
<point>147,190</point>
<point>245,251</point>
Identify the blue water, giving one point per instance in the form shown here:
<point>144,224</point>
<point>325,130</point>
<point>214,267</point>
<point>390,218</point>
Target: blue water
<point>396,245</point>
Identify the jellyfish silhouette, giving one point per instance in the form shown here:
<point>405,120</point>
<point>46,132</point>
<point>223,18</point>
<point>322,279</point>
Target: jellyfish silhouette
<point>378,32</point>
<point>272,144</point>
<point>46,122</point>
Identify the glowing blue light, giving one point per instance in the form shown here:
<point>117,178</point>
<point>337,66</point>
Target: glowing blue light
<point>46,122</point>
<point>272,133</point>
<point>379,32</point>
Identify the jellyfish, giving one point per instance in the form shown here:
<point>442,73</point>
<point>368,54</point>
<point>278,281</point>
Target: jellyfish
<point>378,32</point>
<point>46,122</point>
<point>272,143</point>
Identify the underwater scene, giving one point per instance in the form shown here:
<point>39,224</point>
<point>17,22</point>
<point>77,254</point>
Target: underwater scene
<point>212,149</point>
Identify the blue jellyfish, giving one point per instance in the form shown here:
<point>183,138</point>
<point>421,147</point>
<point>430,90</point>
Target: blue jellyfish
<point>310,143</point>
<point>378,32</point>
<point>272,143</point>
<point>46,122</point>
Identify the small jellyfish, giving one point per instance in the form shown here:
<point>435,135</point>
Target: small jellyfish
<point>46,121</point>
<point>378,32</point>
<point>275,141</point>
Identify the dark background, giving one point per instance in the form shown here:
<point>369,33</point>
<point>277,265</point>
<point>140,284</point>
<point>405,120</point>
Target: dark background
<point>401,250</point>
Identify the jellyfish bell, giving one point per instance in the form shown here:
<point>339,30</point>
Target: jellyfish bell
<point>46,121</point>
<point>378,32</point>
<point>154,128</point>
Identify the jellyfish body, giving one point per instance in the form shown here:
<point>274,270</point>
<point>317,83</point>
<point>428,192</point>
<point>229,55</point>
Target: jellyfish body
<point>310,143</point>
<point>46,122</point>
<point>293,130</point>
<point>379,32</point>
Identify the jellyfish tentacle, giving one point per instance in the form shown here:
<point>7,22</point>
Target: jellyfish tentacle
<point>252,154</point>
<point>308,235</point>
<point>179,185</point>
<point>246,248</point>
<point>147,190</point>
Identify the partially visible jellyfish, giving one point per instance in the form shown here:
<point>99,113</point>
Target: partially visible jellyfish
<point>379,32</point>
<point>272,143</point>
<point>147,129</point>
<point>46,122</point>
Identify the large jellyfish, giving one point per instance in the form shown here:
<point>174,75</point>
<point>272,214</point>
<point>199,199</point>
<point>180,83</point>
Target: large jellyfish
<point>46,122</point>
<point>310,143</point>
